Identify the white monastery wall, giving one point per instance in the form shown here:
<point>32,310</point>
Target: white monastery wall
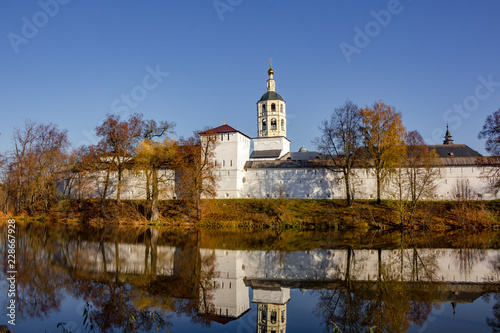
<point>231,154</point>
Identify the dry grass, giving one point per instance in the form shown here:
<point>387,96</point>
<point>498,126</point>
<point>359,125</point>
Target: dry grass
<point>261,214</point>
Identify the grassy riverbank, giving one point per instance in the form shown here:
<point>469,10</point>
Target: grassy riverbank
<point>286,214</point>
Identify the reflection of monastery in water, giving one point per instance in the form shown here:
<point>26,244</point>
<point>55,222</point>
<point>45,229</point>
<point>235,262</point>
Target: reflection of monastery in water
<point>459,275</point>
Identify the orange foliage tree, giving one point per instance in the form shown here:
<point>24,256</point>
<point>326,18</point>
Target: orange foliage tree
<point>37,157</point>
<point>384,140</point>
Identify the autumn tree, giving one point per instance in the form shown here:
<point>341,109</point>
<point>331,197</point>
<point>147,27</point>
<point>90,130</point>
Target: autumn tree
<point>151,156</point>
<point>118,142</point>
<point>415,175</point>
<point>340,141</point>
<point>158,160</point>
<point>491,132</point>
<point>196,173</point>
<point>421,163</point>
<point>154,131</point>
<point>384,140</point>
<point>33,165</point>
<point>82,174</point>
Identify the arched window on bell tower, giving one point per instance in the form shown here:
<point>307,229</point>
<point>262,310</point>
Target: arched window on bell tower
<point>282,124</point>
<point>264,124</point>
<point>281,108</point>
<point>263,107</point>
<point>273,107</point>
<point>273,124</point>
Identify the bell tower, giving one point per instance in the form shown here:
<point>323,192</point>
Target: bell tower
<point>271,141</point>
<point>271,110</point>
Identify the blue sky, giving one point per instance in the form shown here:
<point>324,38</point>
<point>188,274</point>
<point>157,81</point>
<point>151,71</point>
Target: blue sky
<point>201,62</point>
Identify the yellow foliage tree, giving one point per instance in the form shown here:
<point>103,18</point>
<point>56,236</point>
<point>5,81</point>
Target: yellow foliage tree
<point>159,159</point>
<point>384,140</point>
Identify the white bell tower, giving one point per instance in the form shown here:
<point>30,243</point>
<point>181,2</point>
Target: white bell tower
<point>271,110</point>
<point>271,142</point>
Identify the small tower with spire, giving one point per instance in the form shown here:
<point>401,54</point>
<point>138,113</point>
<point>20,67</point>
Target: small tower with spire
<point>447,138</point>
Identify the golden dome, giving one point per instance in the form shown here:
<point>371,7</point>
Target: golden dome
<point>270,71</point>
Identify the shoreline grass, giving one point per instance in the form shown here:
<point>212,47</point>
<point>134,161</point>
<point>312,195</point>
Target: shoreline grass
<point>300,214</point>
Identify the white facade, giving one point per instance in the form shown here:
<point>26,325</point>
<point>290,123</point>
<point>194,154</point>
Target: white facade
<point>271,171</point>
<point>231,154</point>
<point>134,185</point>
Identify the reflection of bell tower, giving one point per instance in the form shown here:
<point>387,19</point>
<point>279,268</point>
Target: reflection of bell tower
<point>271,112</point>
<point>271,309</point>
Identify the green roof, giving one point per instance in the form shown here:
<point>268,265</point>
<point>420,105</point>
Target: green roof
<point>270,95</point>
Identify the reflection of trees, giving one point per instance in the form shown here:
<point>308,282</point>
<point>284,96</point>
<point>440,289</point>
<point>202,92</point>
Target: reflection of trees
<point>494,322</point>
<point>38,282</point>
<point>343,305</point>
<point>467,256</point>
<point>119,304</point>
<point>194,287</point>
<point>392,303</point>
<point>126,300</point>
<point>54,261</point>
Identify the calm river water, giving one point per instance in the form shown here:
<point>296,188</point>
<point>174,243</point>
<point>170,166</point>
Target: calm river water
<point>140,280</point>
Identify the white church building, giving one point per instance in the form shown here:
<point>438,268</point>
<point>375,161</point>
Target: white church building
<point>272,171</point>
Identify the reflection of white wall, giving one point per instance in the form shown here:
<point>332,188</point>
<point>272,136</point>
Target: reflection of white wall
<point>272,296</point>
<point>130,259</point>
<point>230,296</point>
<point>232,266</point>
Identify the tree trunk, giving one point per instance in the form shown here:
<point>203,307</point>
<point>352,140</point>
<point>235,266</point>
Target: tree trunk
<point>378,189</point>
<point>119,186</point>
<point>347,190</point>
<point>155,214</point>
<point>148,182</point>
<point>198,207</point>
<point>105,193</point>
